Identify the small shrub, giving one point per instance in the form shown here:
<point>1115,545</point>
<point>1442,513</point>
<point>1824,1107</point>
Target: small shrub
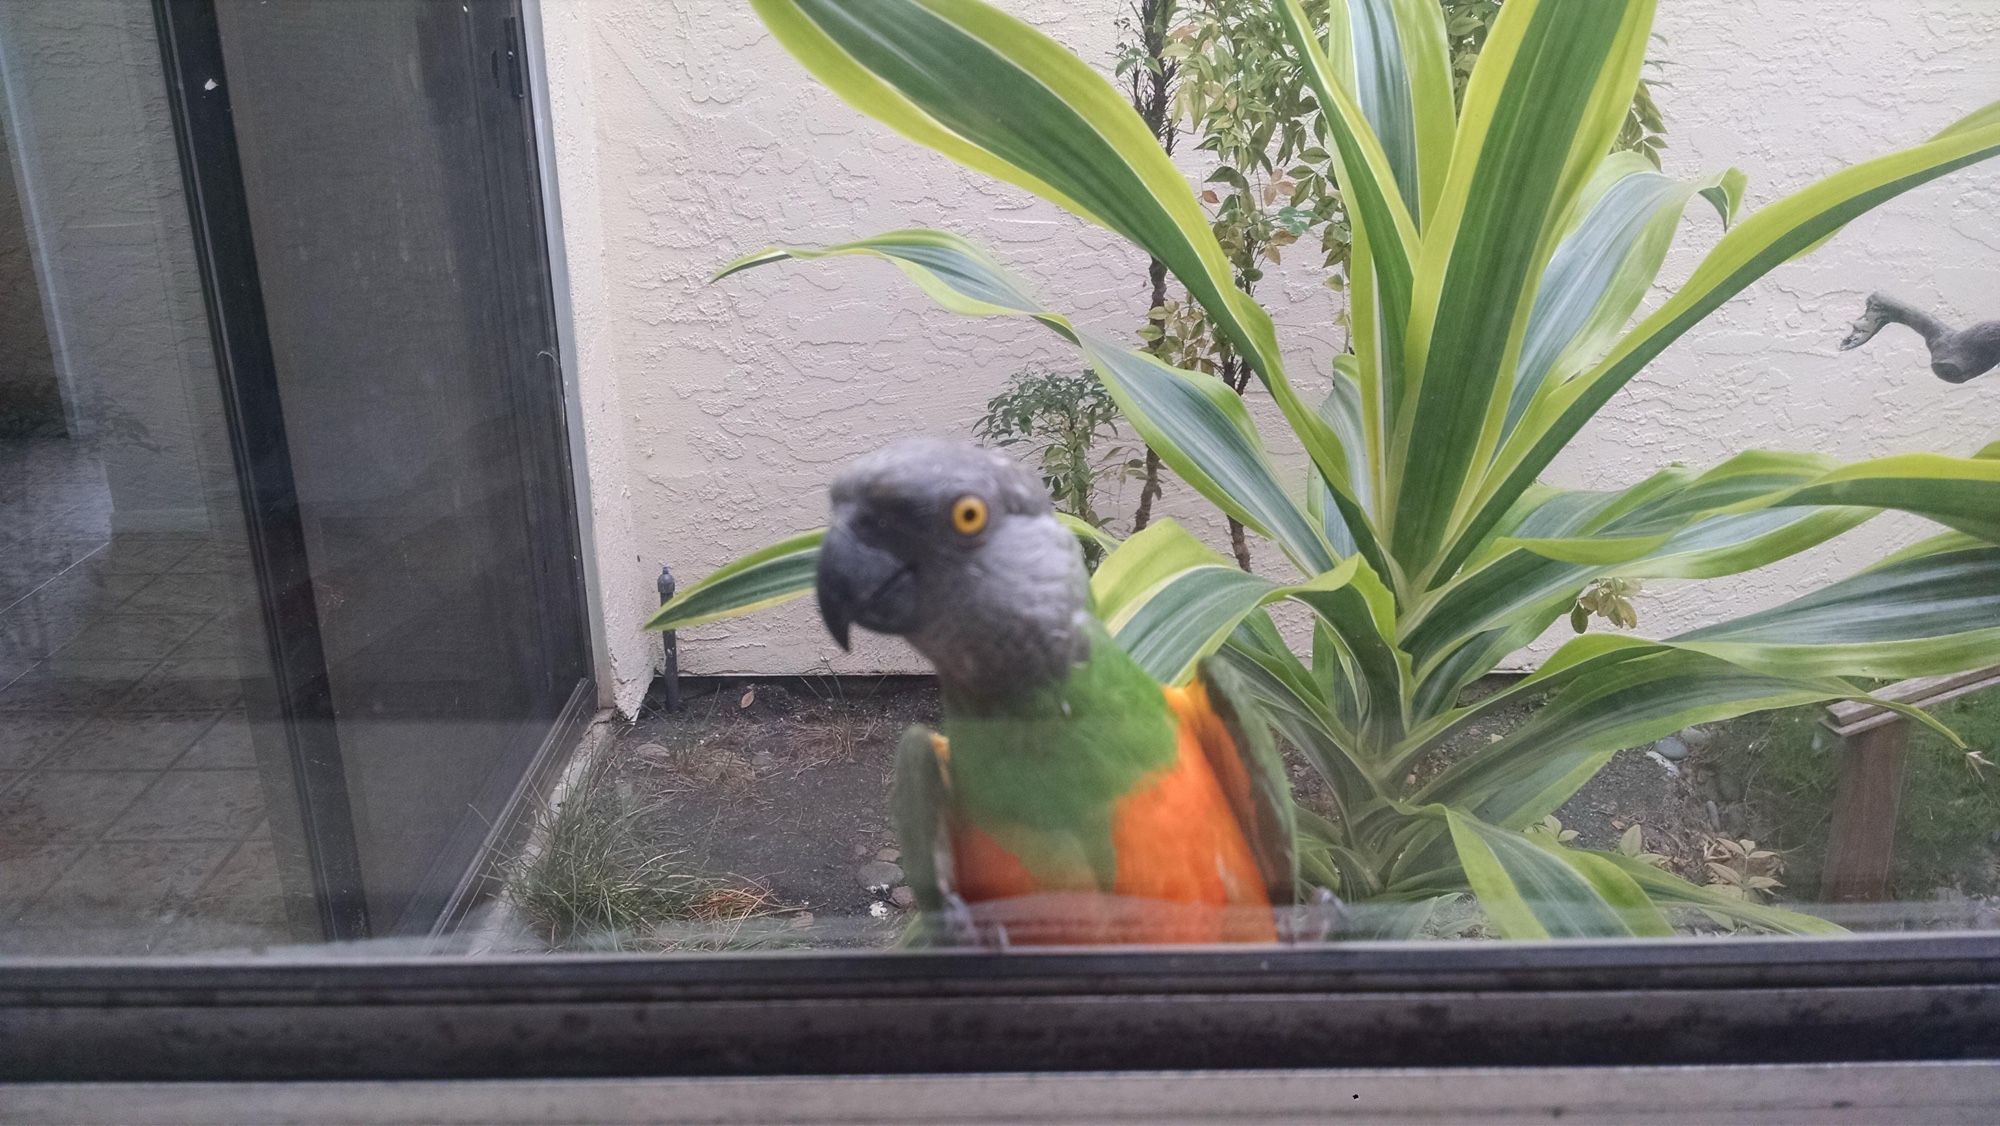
<point>1060,419</point>
<point>594,883</point>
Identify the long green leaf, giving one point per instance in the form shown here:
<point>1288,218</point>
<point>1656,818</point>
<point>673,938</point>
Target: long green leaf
<point>1751,511</point>
<point>1289,698</point>
<point>1574,658</point>
<point>1199,427</point>
<point>1360,618</point>
<point>1605,266</point>
<point>1756,245</point>
<point>1392,55</point>
<point>1921,615</point>
<point>1344,410</point>
<point>991,92</point>
<point>1383,230</point>
<point>1928,611</point>
<point>1668,889</point>
<point>1170,601</point>
<point>1532,890</point>
<point>768,577</point>
<point>1544,103</point>
<point>1958,492</point>
<point>1626,703</point>
<point>1502,898</point>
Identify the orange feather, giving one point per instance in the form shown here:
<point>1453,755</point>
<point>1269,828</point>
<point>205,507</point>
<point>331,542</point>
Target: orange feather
<point>1185,871</point>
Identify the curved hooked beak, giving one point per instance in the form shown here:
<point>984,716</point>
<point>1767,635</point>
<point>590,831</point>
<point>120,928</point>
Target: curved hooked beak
<point>863,585</point>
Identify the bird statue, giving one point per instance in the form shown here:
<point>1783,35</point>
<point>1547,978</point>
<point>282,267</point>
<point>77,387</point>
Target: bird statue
<point>1956,355</point>
<point>1070,798</point>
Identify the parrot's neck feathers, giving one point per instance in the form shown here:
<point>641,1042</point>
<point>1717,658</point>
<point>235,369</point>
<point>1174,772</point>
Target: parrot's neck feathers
<point>1058,756</point>
<point>993,666</point>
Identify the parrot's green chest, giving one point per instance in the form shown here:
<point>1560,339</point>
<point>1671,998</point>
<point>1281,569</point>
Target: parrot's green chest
<point>1044,775</point>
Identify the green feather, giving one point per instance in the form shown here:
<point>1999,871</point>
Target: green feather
<point>918,802</point>
<point>1043,775</point>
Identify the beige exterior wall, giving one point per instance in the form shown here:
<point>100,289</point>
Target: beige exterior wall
<point>716,413</point>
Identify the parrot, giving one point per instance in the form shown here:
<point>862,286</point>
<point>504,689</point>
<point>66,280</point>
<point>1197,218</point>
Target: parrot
<point>1070,797</point>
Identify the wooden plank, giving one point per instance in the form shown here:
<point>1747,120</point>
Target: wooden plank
<point>1861,842</point>
<point>1849,717</point>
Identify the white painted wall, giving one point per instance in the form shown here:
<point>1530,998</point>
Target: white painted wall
<point>716,413</point>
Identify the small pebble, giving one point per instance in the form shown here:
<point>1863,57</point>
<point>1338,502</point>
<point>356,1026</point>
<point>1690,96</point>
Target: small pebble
<point>890,854</point>
<point>879,874</point>
<point>1697,736</point>
<point>802,920</point>
<point>1672,748</point>
<point>903,896</point>
<point>860,851</point>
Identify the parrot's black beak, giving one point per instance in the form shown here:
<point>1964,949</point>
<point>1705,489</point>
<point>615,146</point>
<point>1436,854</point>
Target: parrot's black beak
<point>859,584</point>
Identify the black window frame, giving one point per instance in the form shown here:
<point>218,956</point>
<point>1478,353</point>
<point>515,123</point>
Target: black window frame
<point>1905,997</point>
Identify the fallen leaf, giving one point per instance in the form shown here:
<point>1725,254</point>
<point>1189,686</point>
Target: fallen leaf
<point>749,698</point>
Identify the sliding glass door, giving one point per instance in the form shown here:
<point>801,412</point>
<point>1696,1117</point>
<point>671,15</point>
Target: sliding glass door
<point>290,588</point>
<point>388,174</point>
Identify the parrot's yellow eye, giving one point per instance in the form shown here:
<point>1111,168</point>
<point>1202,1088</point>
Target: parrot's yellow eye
<point>968,515</point>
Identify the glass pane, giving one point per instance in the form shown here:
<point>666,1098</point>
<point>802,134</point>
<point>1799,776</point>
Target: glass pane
<point>146,801</point>
<point>390,190</point>
<point>1442,653</point>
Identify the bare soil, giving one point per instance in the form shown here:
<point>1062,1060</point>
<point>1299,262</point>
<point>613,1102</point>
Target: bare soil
<point>786,784</point>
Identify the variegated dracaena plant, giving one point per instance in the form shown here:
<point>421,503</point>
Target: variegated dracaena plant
<point>1500,256</point>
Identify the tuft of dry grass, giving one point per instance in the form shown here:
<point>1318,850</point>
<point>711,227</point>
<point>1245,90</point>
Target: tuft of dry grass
<point>594,884</point>
<point>712,761</point>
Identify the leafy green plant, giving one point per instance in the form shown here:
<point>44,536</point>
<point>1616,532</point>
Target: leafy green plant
<point>1222,72</point>
<point>1063,419</point>
<point>1466,23</point>
<point>1499,253</point>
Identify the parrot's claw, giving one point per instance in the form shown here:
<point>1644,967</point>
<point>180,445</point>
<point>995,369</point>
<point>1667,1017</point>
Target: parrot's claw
<point>956,922</point>
<point>1315,920</point>
<point>960,928</point>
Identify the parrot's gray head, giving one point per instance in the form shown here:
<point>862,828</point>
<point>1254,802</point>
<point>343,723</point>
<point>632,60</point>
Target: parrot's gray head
<point>956,549</point>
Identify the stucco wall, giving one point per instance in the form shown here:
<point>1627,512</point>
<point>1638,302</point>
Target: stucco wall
<point>717,412</point>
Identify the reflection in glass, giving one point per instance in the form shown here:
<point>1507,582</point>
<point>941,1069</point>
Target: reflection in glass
<point>138,810</point>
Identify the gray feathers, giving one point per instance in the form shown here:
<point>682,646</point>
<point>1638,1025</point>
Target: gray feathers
<point>996,610</point>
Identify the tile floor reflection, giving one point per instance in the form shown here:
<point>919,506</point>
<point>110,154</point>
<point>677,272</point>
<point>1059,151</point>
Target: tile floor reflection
<point>132,814</point>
